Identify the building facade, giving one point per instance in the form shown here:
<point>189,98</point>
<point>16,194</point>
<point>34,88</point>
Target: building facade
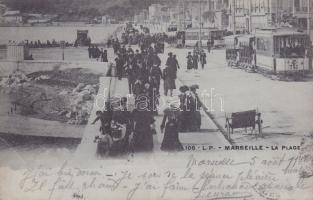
<point>207,13</point>
<point>220,10</point>
<point>14,17</point>
<point>142,16</point>
<point>241,15</point>
<point>302,11</point>
<point>159,13</point>
<point>248,15</point>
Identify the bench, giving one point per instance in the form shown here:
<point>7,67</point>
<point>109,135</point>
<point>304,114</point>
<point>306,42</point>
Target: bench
<point>244,119</point>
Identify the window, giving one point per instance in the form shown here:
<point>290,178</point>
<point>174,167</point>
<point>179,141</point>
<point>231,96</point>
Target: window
<point>297,4</point>
<point>290,46</point>
<point>263,44</point>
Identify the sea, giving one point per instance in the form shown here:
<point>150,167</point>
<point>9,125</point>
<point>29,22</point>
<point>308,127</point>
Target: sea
<point>16,151</point>
<point>98,33</point>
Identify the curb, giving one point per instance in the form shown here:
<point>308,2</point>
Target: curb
<point>212,118</point>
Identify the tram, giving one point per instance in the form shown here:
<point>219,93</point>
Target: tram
<point>232,49</point>
<point>216,37</point>
<point>281,51</point>
<point>270,51</point>
<point>247,59</point>
<point>192,37</point>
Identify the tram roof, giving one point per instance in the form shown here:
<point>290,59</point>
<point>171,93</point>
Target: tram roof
<point>229,37</point>
<point>278,32</point>
<point>245,37</point>
<point>203,29</point>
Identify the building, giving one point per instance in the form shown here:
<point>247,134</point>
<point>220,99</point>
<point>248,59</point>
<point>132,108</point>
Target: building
<point>220,10</point>
<point>2,11</point>
<point>13,16</point>
<point>3,8</point>
<point>34,18</point>
<point>240,15</point>
<point>142,16</point>
<point>303,11</point>
<point>208,13</point>
<point>159,13</point>
<point>105,19</point>
<point>248,15</point>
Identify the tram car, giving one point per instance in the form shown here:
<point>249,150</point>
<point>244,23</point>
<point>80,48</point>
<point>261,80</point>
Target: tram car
<point>216,37</point>
<point>180,35</point>
<point>281,51</point>
<point>247,59</point>
<point>192,37</point>
<point>269,51</point>
<point>232,49</point>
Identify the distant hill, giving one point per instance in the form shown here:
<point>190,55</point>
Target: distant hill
<point>80,8</point>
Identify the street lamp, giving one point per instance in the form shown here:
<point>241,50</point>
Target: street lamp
<point>62,44</point>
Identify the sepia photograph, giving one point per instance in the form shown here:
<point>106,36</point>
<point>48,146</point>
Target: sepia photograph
<point>156,99</point>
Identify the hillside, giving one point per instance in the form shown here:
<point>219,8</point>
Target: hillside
<point>80,8</point>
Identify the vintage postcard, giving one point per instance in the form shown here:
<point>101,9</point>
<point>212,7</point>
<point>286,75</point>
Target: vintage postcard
<point>156,99</point>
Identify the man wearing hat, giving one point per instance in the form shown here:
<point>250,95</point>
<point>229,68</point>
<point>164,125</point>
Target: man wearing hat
<point>184,113</point>
<point>194,107</point>
<point>189,61</point>
<point>170,62</point>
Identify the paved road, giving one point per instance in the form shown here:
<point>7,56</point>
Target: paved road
<point>286,107</point>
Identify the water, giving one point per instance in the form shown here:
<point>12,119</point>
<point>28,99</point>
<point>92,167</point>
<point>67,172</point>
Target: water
<point>97,33</point>
<point>21,151</point>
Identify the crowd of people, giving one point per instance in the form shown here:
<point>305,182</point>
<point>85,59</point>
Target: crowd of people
<point>94,52</point>
<point>143,70</point>
<point>47,44</point>
<point>193,60</point>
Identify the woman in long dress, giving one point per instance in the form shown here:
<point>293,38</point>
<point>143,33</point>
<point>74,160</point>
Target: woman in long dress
<point>189,61</point>
<point>142,139</point>
<point>184,112</point>
<point>170,123</point>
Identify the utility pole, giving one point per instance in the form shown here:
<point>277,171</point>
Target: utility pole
<point>184,15</point>
<point>250,17</point>
<point>200,21</point>
<point>309,18</point>
<point>179,21</point>
<point>234,16</point>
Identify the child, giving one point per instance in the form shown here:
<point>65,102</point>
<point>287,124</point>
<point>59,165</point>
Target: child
<point>104,143</point>
<point>105,119</point>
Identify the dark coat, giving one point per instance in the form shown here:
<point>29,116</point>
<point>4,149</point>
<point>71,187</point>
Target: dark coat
<point>169,76</point>
<point>104,56</point>
<point>170,141</point>
<point>156,73</point>
<point>189,62</point>
<point>142,140</point>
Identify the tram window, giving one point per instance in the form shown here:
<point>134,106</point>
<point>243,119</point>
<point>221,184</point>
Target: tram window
<point>192,36</point>
<point>292,46</point>
<point>263,44</point>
